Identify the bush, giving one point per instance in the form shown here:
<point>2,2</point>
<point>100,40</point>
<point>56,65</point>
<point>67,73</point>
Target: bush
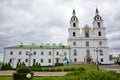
<point>21,76</point>
<point>52,70</point>
<point>59,69</point>
<point>22,73</point>
<point>72,69</point>
<point>23,70</point>
<point>6,66</point>
<point>46,70</point>
<point>81,69</point>
<point>66,69</point>
<point>40,69</point>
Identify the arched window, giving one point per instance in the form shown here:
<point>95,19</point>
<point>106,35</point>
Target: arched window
<point>98,24</point>
<point>74,34</point>
<point>74,24</point>
<point>87,32</point>
<point>101,59</point>
<point>75,59</point>
<point>99,33</point>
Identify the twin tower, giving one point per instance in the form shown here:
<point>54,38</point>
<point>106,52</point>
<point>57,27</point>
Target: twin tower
<point>84,44</point>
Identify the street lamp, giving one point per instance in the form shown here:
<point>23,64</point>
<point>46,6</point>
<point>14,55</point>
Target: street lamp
<point>13,58</point>
<point>29,57</point>
<point>96,50</point>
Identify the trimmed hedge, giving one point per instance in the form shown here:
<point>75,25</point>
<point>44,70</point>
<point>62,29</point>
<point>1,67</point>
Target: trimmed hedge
<point>23,70</point>
<point>21,76</point>
<point>59,69</point>
<point>52,70</point>
<point>21,73</point>
<point>46,69</point>
<point>66,69</point>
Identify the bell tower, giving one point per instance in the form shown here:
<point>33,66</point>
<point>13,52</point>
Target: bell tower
<point>74,30</point>
<point>99,29</point>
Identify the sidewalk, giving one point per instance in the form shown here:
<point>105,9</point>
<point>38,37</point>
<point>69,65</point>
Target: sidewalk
<point>111,67</point>
<point>10,73</point>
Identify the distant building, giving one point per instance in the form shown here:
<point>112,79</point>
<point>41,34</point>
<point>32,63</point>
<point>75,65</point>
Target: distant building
<point>80,50</point>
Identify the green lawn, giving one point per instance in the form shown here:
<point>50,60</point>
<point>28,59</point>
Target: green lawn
<point>6,78</point>
<point>90,73</point>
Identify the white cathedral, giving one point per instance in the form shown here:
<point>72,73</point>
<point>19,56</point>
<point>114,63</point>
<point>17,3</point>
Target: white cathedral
<point>88,47</point>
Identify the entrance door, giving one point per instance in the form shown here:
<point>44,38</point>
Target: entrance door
<point>57,60</point>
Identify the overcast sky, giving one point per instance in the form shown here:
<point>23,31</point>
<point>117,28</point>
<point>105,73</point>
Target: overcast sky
<point>47,21</point>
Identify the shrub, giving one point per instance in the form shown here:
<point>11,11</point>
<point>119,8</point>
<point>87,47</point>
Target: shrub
<point>72,69</point>
<point>40,69</point>
<point>46,69</point>
<point>23,70</point>
<point>21,76</point>
<point>81,69</point>
<point>66,69</point>
<point>6,66</point>
<point>52,70</point>
<point>21,73</point>
<point>59,69</point>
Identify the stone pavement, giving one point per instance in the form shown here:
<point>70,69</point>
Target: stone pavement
<point>111,67</point>
<point>10,73</point>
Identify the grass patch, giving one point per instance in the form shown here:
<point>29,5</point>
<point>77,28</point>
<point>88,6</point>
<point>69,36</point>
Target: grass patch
<point>6,78</point>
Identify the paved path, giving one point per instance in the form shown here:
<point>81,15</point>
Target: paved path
<point>111,67</point>
<point>10,73</point>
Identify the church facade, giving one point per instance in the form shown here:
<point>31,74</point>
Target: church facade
<point>88,47</point>
<point>91,45</point>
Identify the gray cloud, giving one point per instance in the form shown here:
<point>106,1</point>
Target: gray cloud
<point>43,21</point>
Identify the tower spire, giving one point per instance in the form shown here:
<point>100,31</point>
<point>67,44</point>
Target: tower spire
<point>97,11</point>
<point>73,12</point>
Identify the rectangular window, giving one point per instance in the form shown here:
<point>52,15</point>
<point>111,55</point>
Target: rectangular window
<point>42,53</point>
<point>34,53</point>
<point>74,43</point>
<point>100,43</point>
<point>87,44</point>
<point>11,52</point>
<point>10,60</point>
<point>49,60</point>
<point>26,60</point>
<point>75,52</point>
<point>20,52</point>
<point>34,60</point>
<point>57,53</point>
<point>101,52</point>
<point>49,53</point>
<point>19,60</point>
<point>41,60</point>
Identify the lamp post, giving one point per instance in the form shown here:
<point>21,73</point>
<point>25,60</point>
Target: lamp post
<point>96,50</point>
<point>13,58</point>
<point>29,57</point>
